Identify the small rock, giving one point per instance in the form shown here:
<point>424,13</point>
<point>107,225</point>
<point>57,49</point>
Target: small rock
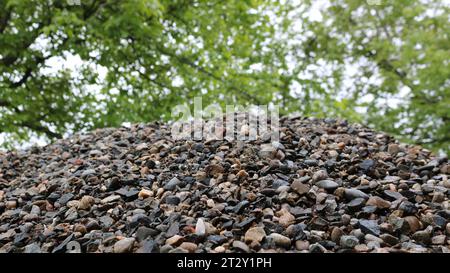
<point>369,227</point>
<point>438,197</point>
<point>319,175</point>
<point>174,240</point>
<point>238,245</point>
<point>124,245</point>
<point>190,247</point>
<point>361,248</point>
<point>255,234</point>
<point>110,199</point>
<point>242,174</point>
<point>393,148</point>
<point>438,240</point>
<point>356,204</point>
<point>219,249</point>
<point>348,241</point>
<point>172,184</point>
<point>80,228</point>
<point>299,187</point>
<point>378,202</point>
<point>389,239</point>
<point>411,224</point>
<point>267,151</point>
<point>32,248</point>
<point>336,234</point>
<point>408,208</point>
<point>317,248</point>
<point>85,202</point>
<point>241,206</point>
<point>172,200</point>
<point>367,165</point>
<point>93,225</point>
<point>147,246</point>
<point>144,193</point>
<point>392,195</point>
<point>439,221</point>
<point>65,198</point>
<point>280,240</point>
<point>200,228</point>
<point>328,185</point>
<point>285,218</point>
<point>422,236</point>
<point>302,245</point>
<point>351,194</point>
<point>143,233</point>
<point>106,221</point>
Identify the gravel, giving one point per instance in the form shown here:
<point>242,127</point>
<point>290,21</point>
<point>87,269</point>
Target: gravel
<point>326,186</point>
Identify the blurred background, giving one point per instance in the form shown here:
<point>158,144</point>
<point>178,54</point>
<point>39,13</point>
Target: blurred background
<point>71,66</point>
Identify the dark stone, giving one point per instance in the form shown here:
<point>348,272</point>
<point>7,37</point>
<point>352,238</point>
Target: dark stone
<point>21,238</point>
<point>240,206</point>
<point>328,185</point>
<point>172,200</point>
<point>128,194</point>
<point>143,233</point>
<point>367,165</point>
<point>351,194</point>
<point>171,184</point>
<point>439,221</point>
<point>389,239</point>
<point>174,229</point>
<point>148,246</point>
<point>392,195</point>
<point>245,223</point>
<point>62,246</point>
<point>356,204</point>
<point>52,197</point>
<point>317,248</point>
<point>65,198</point>
<point>216,239</point>
<point>369,209</point>
<point>269,192</point>
<point>311,162</point>
<point>369,227</point>
<point>278,183</point>
<point>93,225</point>
<point>106,221</point>
<point>408,208</point>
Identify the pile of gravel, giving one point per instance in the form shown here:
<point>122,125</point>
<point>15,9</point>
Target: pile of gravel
<point>326,186</point>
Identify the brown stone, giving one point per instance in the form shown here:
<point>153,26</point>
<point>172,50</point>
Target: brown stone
<point>299,187</point>
<point>256,234</point>
<point>378,202</point>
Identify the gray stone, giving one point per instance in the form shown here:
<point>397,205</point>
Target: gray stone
<point>172,184</point>
<point>124,245</point>
<point>32,248</point>
<point>351,194</point>
<point>280,240</point>
<point>328,185</point>
<point>241,246</point>
<point>347,241</point>
<point>369,227</point>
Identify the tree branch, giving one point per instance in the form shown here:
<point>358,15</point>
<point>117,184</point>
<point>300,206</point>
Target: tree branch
<point>39,128</point>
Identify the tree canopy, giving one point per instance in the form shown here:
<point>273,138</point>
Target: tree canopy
<point>383,64</point>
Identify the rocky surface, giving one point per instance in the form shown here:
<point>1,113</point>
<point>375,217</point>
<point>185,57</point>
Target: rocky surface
<point>327,186</point>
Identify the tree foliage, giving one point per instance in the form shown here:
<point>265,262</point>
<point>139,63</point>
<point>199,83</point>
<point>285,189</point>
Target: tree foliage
<point>384,65</point>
